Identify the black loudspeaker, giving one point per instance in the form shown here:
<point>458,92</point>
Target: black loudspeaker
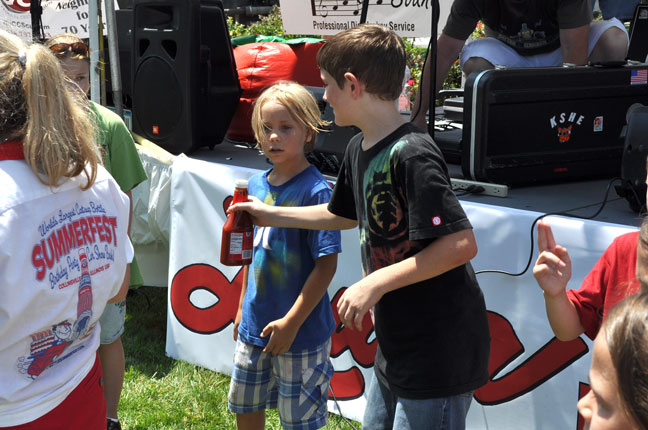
<point>638,48</point>
<point>185,86</point>
<point>331,144</point>
<point>635,151</point>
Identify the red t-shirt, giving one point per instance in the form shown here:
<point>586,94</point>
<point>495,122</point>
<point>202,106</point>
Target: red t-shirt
<point>612,278</point>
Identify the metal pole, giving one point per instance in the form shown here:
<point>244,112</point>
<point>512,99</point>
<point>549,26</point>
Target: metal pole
<point>36,11</point>
<point>115,77</point>
<point>93,30</point>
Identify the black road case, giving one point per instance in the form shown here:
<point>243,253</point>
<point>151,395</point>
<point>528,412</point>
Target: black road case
<point>540,125</point>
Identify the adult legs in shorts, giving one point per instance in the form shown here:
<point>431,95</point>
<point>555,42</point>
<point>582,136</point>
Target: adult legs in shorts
<point>386,411</point>
<point>296,383</point>
<point>608,41</point>
<point>111,354</point>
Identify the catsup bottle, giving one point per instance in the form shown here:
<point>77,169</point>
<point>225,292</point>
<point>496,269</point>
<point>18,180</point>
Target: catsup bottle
<point>238,231</point>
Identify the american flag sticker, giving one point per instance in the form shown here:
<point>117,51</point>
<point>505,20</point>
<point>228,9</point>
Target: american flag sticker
<point>639,76</point>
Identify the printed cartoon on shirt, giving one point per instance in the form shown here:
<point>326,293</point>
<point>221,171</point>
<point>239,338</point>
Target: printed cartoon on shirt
<point>75,244</point>
<point>387,228</point>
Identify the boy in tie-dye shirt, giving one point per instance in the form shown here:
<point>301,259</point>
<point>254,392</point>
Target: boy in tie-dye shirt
<point>284,323</point>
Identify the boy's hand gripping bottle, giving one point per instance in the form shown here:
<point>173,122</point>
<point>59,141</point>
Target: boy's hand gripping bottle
<point>238,231</point>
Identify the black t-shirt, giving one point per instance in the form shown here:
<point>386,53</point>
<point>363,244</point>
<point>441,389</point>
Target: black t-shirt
<point>433,337</point>
<point>528,26</point>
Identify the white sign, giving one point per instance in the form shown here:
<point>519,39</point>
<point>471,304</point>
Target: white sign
<point>408,18</point>
<point>59,16</point>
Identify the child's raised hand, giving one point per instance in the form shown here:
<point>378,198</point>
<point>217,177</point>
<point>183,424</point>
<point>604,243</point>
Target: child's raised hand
<point>552,269</point>
<point>282,335</point>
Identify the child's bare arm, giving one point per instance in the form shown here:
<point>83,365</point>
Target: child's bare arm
<point>283,331</point>
<point>440,256</point>
<point>315,217</point>
<point>239,312</point>
<point>123,290</point>
<point>552,271</point>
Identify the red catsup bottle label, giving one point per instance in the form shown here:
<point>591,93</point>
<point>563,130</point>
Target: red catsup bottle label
<point>238,232</point>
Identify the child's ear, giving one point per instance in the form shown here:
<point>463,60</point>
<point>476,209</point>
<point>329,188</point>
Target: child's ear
<point>354,84</point>
<point>309,135</point>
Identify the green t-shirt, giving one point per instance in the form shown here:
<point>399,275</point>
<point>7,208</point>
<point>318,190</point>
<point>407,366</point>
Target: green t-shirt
<point>122,161</point>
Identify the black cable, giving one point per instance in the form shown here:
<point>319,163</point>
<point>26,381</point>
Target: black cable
<point>420,88</point>
<point>471,189</point>
<point>433,43</point>
<point>139,292</point>
<point>337,405</point>
<point>561,213</point>
<point>363,13</point>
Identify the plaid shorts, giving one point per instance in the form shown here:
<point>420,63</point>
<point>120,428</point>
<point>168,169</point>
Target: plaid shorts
<point>296,383</point>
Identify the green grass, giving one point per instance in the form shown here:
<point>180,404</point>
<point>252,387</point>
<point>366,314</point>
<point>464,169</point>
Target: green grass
<point>161,393</point>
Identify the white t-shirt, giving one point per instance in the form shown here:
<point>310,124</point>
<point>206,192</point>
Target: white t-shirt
<point>63,255</point>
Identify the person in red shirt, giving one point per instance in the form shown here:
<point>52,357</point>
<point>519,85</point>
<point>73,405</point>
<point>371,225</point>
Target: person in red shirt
<point>617,274</point>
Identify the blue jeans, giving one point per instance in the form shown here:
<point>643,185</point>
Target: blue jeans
<point>386,411</point>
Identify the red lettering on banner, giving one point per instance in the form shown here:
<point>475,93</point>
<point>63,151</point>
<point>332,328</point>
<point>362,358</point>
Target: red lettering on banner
<point>203,276</point>
<point>548,361</point>
<point>347,385</point>
<point>357,342</point>
<point>350,384</point>
<point>17,5</point>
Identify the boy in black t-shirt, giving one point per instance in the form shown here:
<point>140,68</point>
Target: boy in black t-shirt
<point>416,243</point>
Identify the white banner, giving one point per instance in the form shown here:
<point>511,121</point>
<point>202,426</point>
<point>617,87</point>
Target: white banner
<point>408,18</point>
<point>59,16</point>
<point>536,380</point>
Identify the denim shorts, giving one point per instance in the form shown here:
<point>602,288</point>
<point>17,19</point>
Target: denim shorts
<point>112,322</point>
<point>296,383</point>
<point>386,411</point>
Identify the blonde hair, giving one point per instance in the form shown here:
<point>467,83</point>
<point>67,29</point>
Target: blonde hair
<point>37,107</point>
<point>299,102</point>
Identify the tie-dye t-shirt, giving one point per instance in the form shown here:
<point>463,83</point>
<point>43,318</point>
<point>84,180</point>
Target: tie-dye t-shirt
<point>284,258</point>
<point>433,338</point>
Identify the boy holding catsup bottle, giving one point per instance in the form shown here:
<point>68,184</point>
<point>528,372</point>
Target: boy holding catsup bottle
<point>284,323</point>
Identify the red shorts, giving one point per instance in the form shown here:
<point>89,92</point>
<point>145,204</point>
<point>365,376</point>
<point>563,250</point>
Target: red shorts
<point>83,409</point>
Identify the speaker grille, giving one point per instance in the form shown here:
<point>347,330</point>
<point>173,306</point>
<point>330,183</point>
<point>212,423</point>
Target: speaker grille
<point>156,86</point>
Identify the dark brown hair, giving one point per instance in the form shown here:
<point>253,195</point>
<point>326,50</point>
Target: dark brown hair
<point>626,333</point>
<point>374,54</point>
